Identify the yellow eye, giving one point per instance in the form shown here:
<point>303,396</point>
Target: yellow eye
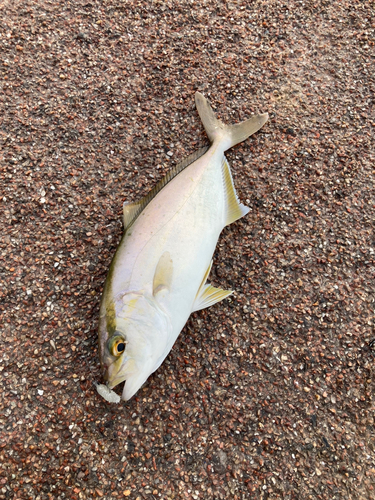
<point>116,346</point>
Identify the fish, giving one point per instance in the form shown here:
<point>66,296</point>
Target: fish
<point>158,275</point>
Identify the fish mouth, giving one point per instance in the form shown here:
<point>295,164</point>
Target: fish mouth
<point>112,383</point>
<point>115,375</point>
<point>134,378</point>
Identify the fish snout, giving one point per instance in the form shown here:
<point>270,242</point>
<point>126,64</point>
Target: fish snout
<point>112,375</point>
<point>119,371</point>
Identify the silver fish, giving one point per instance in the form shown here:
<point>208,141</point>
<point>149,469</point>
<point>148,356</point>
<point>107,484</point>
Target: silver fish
<point>158,275</point>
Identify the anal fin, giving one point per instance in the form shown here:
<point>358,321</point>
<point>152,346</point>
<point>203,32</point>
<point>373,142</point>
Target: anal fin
<point>234,208</point>
<point>208,295</point>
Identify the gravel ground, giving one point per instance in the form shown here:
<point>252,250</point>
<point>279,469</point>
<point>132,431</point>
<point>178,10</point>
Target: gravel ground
<point>267,395</point>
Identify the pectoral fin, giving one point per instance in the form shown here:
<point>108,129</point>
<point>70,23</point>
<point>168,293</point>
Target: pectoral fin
<point>163,274</point>
<point>207,294</point>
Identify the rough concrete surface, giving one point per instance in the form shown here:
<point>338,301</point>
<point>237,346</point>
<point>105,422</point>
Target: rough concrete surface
<point>267,395</point>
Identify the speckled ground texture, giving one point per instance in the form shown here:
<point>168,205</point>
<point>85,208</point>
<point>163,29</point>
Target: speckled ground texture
<point>267,395</point>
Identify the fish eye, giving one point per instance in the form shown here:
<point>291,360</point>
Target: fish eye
<point>120,347</point>
<point>116,346</point>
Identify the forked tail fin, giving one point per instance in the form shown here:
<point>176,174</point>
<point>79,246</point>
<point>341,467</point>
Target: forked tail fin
<point>229,135</point>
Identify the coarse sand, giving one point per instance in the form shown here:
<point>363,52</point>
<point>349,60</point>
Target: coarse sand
<point>266,395</point>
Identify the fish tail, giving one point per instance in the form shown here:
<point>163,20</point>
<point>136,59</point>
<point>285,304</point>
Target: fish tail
<point>229,135</point>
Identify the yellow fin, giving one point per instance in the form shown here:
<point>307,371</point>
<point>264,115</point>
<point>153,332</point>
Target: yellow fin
<point>234,208</point>
<point>205,278</point>
<point>208,295</point>
<point>163,274</point>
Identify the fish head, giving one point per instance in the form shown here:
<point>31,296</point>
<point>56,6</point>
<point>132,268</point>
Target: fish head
<point>130,352</point>
<point>126,361</point>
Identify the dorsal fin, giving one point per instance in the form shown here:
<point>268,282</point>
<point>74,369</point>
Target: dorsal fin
<point>130,211</point>
<point>133,210</point>
<point>234,208</point>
